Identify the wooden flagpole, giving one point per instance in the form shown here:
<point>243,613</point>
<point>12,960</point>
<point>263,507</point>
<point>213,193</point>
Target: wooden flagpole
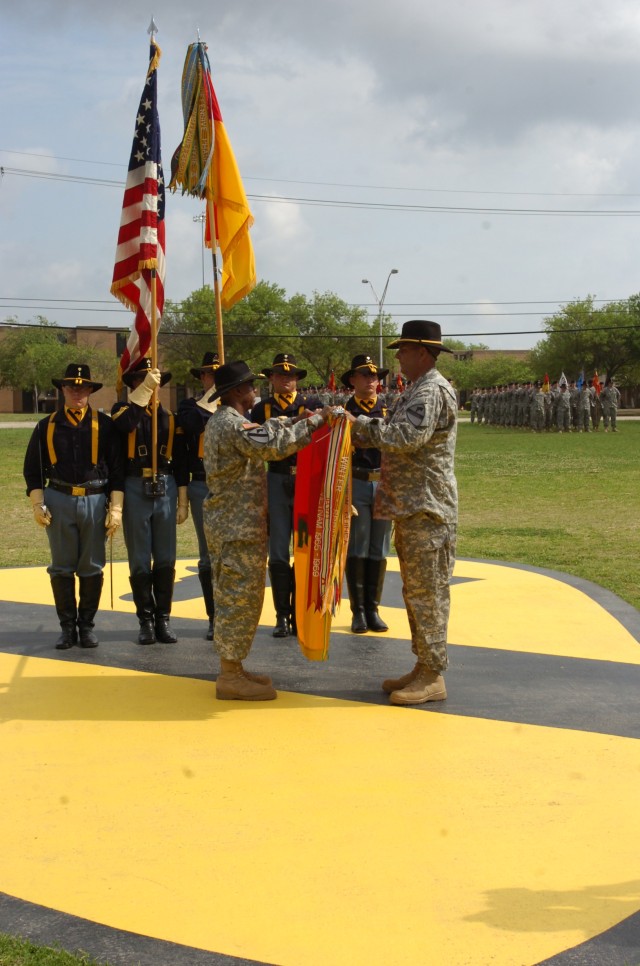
<point>216,280</point>
<point>154,365</point>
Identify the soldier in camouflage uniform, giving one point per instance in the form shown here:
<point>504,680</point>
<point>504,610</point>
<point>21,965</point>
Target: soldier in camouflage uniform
<point>473,409</point>
<point>610,400</point>
<point>596,408</point>
<point>418,491</point>
<point>563,409</point>
<point>235,519</point>
<point>574,392</point>
<point>549,403</point>
<point>537,410</point>
<point>584,409</point>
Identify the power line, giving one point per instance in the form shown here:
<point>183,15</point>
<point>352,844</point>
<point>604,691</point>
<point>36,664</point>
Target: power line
<point>373,314</point>
<point>371,187</point>
<point>355,205</point>
<point>164,333</point>
<point>364,305</point>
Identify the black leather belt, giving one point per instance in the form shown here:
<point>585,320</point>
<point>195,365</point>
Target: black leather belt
<point>283,469</point>
<point>71,490</point>
<point>370,476</point>
<point>146,472</point>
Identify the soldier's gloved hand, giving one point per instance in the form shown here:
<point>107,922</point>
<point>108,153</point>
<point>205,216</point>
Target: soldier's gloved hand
<point>40,513</point>
<point>143,393</point>
<point>183,505</point>
<point>113,519</point>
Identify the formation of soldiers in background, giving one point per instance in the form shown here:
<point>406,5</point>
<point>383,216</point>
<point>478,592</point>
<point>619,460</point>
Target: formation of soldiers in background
<point>562,406</point>
<point>340,396</point>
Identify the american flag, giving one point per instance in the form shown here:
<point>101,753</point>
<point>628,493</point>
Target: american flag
<point>141,245</point>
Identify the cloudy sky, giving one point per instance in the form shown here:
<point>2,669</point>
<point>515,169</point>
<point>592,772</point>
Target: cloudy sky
<point>428,129</point>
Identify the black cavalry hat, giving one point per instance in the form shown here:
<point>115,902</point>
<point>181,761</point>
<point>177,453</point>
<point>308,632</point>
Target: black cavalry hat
<point>77,374</point>
<point>285,364</point>
<point>420,332</point>
<point>143,366</point>
<point>230,375</point>
<point>210,360</point>
<point>362,363</point>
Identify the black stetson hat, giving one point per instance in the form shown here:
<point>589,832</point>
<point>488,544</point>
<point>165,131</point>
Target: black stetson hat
<point>420,332</point>
<point>77,374</point>
<point>210,360</point>
<point>143,367</point>
<point>284,364</point>
<point>362,363</point>
<point>230,375</point>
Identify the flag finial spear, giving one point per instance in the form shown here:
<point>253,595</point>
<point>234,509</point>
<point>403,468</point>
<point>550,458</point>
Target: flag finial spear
<point>152,29</point>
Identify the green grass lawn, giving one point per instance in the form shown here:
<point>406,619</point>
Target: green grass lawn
<point>20,417</point>
<point>21,952</point>
<point>566,502</point>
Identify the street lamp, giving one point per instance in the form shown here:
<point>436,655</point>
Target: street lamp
<point>365,281</point>
<point>202,217</point>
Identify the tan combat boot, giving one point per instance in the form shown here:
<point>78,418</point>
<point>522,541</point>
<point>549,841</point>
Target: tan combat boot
<point>258,678</point>
<point>427,685</point>
<point>234,685</point>
<point>396,684</point>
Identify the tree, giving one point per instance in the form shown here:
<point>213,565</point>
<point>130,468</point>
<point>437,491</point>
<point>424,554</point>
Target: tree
<point>323,332</point>
<point>331,333</point>
<point>582,337</point>
<point>31,356</point>
<point>259,326</point>
<point>497,370</point>
<point>188,329</point>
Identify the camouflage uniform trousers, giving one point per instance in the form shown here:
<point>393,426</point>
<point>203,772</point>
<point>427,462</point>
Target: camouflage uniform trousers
<point>426,552</point>
<point>563,416</point>
<point>238,569</point>
<point>610,415</point>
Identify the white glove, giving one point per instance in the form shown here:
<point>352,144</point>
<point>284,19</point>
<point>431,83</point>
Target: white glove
<point>209,407</point>
<point>40,513</point>
<point>113,518</point>
<point>144,392</point>
<point>183,505</point>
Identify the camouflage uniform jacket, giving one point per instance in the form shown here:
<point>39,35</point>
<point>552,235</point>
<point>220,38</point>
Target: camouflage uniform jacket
<point>234,460</point>
<point>418,443</point>
<point>610,397</point>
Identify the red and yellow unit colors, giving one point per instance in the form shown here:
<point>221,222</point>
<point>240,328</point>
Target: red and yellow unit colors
<point>321,522</point>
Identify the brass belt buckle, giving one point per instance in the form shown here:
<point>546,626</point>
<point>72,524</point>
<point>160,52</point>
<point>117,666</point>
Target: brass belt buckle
<point>77,491</point>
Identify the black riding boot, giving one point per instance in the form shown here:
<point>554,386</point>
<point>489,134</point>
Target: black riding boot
<point>280,576</point>
<point>90,591</point>
<point>163,593</point>
<point>354,572</point>
<point>207,594</point>
<point>64,596</point>
<point>374,572</point>
<point>142,589</point>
